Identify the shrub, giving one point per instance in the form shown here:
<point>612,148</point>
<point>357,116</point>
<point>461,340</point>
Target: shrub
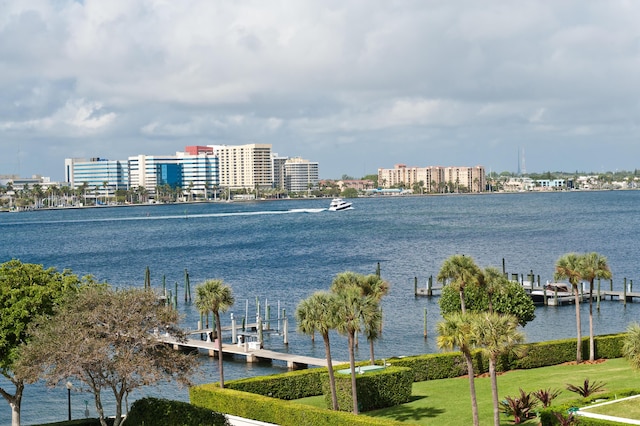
<point>587,388</point>
<point>521,408</point>
<point>162,412</point>
<point>545,396</point>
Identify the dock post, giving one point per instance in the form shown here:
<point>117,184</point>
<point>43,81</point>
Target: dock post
<point>415,286</point>
<point>259,326</point>
<point>234,331</point>
<point>176,296</point>
<point>624,292</point>
<point>425,323</point>
<point>278,316</point>
<point>630,286</point>
<point>611,284</point>
<point>504,270</point>
<point>430,286</point>
<point>285,327</point>
<point>378,270</point>
<point>545,299</point>
<point>555,295</point>
<point>598,299</point>
<point>268,315</point>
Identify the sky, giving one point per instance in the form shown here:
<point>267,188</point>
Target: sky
<point>354,85</point>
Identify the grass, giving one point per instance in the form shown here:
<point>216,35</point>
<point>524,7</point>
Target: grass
<point>447,402</point>
<point>628,408</point>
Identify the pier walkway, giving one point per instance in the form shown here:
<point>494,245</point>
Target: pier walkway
<point>249,351</point>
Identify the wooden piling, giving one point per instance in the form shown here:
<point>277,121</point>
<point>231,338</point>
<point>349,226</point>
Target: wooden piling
<point>147,278</point>
<point>624,292</point>
<point>415,286</point>
<point>430,286</point>
<point>425,323</point>
<point>285,327</point>
<point>598,297</point>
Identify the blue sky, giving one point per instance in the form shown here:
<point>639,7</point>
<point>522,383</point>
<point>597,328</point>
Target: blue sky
<point>353,85</point>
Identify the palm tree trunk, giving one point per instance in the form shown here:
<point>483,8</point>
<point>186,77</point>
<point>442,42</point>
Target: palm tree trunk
<point>332,379</point>
<point>371,354</point>
<point>472,389</point>
<point>220,363</point>
<point>592,345</point>
<point>462,306</point>
<point>494,391</point>
<point>578,325</point>
<point>352,363</point>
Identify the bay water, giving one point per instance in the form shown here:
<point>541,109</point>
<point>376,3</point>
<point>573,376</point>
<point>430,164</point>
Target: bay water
<point>279,252</point>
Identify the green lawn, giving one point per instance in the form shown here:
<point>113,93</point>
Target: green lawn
<point>629,409</point>
<point>447,401</point>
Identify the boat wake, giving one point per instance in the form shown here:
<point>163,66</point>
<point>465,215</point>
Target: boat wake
<point>186,215</point>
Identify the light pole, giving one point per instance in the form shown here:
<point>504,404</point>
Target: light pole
<point>69,387</point>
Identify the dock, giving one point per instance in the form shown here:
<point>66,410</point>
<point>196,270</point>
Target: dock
<point>249,351</point>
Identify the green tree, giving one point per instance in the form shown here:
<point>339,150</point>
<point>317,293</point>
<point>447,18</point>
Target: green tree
<point>460,271</point>
<point>455,331</point>
<point>568,267</point>
<point>318,313</point>
<point>509,298</point>
<point>593,266</point>
<point>107,344</point>
<point>495,334</point>
<point>26,290</point>
<point>215,296</point>
<point>349,193</point>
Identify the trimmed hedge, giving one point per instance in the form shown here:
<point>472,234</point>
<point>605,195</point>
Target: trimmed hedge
<point>271,410</point>
<point>379,389</point>
<point>547,417</point>
<point>162,412</point>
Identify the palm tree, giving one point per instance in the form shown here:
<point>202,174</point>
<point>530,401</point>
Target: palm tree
<point>492,281</point>
<point>318,313</point>
<point>352,308</point>
<point>593,266</point>
<point>494,335</point>
<point>460,271</point>
<point>631,345</point>
<point>214,296</point>
<point>455,331</point>
<point>568,267</point>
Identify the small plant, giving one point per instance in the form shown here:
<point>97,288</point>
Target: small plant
<point>586,389</point>
<point>519,407</point>
<point>545,396</point>
<point>568,420</point>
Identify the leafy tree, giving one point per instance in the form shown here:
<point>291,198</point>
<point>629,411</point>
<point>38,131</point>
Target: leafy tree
<point>508,298</point>
<point>26,290</point>
<point>349,193</point>
<point>568,267</point>
<point>455,331</point>
<point>103,338</point>
<point>214,296</point>
<point>593,266</point>
<point>494,335</point>
<point>373,178</point>
<point>318,313</point>
<point>460,271</point>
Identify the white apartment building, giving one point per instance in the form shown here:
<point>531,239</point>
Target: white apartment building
<point>245,166</point>
<point>300,175</point>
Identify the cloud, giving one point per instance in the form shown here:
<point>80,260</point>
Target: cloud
<point>470,80</point>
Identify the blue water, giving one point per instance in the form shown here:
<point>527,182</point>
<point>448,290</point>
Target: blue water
<point>282,251</point>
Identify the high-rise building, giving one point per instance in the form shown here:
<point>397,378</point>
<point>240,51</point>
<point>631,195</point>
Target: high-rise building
<point>300,175</point>
<point>434,178</point>
<point>99,176</point>
<point>245,166</point>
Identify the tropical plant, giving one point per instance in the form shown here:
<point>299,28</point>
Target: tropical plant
<point>520,407</point>
<point>568,267</point>
<point>587,388</point>
<point>318,313</point>
<point>455,331</point>
<point>494,335</point>
<point>546,396</point>
<point>568,420</point>
<point>631,345</point>
<point>352,308</point>
<point>460,271</point>
<point>215,296</point>
<point>593,266</point>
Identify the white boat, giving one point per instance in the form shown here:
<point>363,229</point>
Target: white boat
<point>338,204</point>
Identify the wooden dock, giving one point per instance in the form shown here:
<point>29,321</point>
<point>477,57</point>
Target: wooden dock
<point>249,351</point>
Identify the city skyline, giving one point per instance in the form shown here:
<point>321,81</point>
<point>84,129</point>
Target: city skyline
<point>355,86</point>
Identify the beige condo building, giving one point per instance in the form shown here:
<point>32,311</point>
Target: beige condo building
<point>434,178</point>
<point>245,166</point>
